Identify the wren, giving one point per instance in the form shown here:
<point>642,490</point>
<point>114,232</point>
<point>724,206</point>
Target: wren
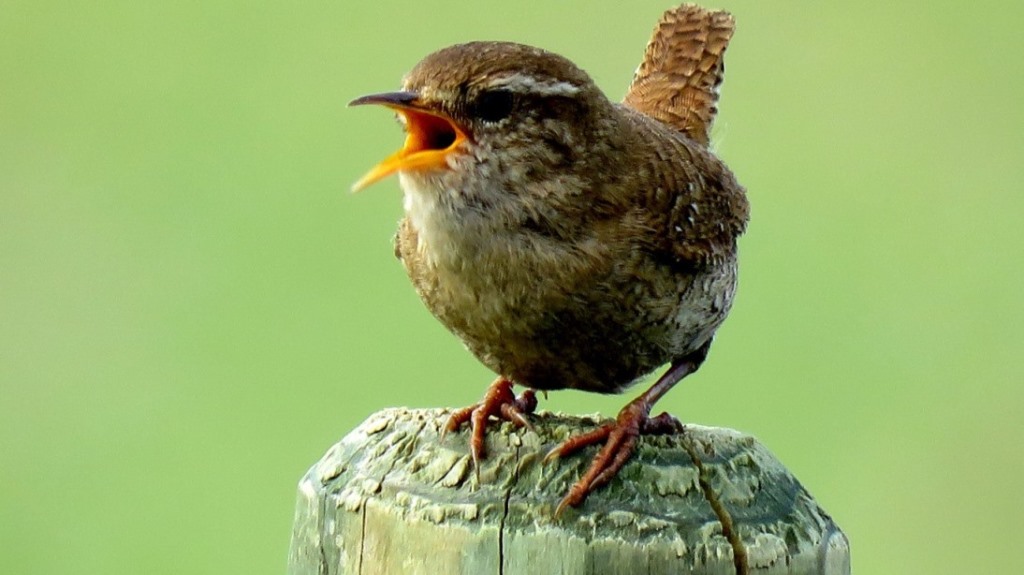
<point>567,240</point>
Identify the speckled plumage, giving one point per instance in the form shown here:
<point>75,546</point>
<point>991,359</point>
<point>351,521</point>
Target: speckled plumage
<point>624,285</point>
<point>569,241</point>
<point>583,247</point>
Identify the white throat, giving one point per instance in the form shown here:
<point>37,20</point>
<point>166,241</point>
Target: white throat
<point>444,237</point>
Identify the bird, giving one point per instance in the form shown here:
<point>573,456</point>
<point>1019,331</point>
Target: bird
<point>569,241</point>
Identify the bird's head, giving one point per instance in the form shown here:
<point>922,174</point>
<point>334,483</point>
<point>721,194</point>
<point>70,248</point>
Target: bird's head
<point>495,124</point>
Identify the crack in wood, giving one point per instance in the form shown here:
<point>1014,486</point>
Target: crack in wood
<point>393,462</point>
<point>504,515</point>
<point>362,541</point>
<point>739,552</point>
<point>323,568</point>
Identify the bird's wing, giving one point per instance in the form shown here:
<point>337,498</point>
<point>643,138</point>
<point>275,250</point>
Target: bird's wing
<point>677,81</point>
<point>696,209</point>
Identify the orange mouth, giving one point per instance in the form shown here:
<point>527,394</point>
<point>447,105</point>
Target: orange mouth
<point>430,137</point>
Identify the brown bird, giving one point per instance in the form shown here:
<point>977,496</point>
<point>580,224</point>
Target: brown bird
<point>569,241</point>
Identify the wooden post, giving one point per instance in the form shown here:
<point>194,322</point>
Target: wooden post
<point>394,497</point>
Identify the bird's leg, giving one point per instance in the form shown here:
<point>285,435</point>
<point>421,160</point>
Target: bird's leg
<point>620,437</point>
<point>499,401</point>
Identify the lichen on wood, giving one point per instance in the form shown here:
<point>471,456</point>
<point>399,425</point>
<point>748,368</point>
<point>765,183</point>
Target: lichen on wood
<point>393,496</point>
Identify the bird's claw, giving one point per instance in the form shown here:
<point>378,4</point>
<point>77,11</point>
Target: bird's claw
<point>620,439</point>
<point>500,402</point>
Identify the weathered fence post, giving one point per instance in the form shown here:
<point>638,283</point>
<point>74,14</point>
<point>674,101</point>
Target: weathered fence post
<point>393,497</point>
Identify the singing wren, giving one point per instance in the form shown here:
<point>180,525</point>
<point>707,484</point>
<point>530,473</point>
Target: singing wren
<point>567,240</point>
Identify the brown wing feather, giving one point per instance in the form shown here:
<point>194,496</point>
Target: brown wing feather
<point>696,209</point>
<point>677,82</point>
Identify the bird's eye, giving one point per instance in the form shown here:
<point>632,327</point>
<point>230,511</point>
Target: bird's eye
<point>493,105</point>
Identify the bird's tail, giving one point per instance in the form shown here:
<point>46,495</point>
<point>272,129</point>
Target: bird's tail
<point>677,81</point>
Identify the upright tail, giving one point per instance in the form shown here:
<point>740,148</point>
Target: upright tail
<point>677,81</point>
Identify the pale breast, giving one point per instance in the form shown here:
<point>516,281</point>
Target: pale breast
<point>598,328</point>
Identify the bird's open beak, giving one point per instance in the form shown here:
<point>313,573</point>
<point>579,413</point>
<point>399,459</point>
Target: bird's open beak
<point>430,136</point>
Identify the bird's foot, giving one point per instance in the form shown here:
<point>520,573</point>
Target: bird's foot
<point>619,441</point>
<point>500,402</point>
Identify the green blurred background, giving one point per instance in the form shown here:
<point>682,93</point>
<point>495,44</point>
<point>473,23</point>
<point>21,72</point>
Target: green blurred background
<point>193,307</point>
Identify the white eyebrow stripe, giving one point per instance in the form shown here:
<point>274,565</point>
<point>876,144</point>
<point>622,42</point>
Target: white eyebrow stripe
<point>529,84</point>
